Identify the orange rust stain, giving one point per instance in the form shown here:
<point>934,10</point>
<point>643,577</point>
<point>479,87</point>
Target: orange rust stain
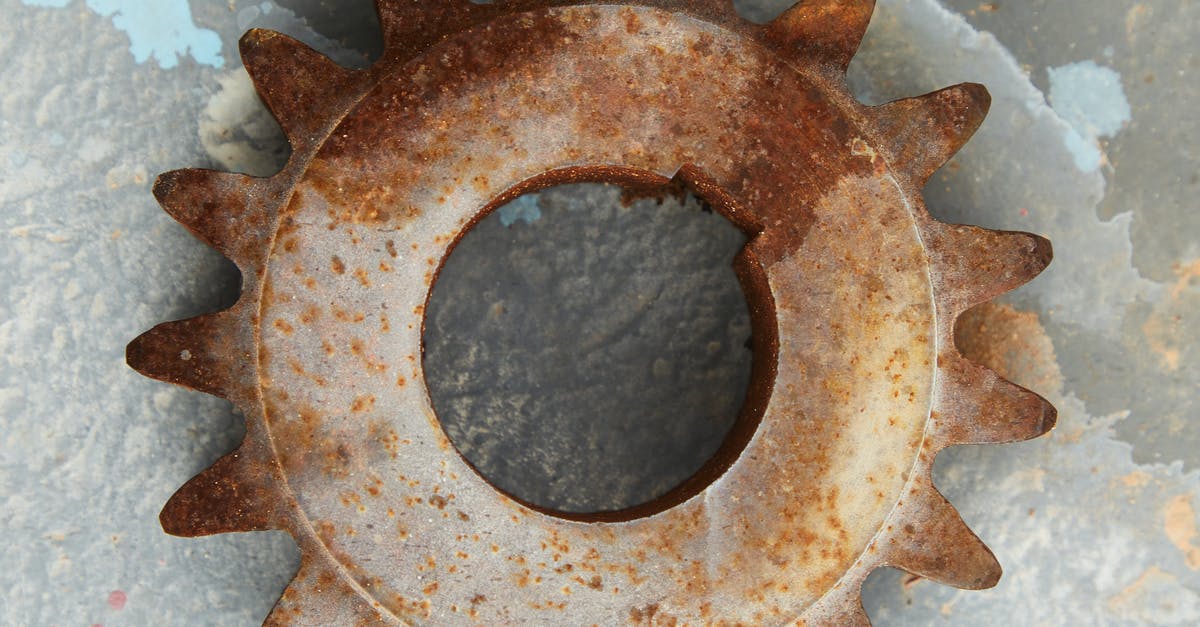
<point>1159,331</point>
<point>1011,342</point>
<point>294,437</point>
<point>298,368</point>
<point>326,578</point>
<point>402,606</point>
<point>644,615</point>
<point>363,278</point>
<point>633,23</point>
<point>283,326</point>
<point>301,445</point>
<point>1185,273</point>
<point>595,583</point>
<point>549,605</point>
<point>310,315</point>
<point>391,442</point>
<point>352,499</point>
<point>390,245</point>
<point>357,199</point>
<point>1136,479</point>
<point>336,264</point>
<point>1179,523</point>
<point>327,533</point>
<point>363,403</point>
<point>1165,332</point>
<point>348,316</point>
<point>358,349</point>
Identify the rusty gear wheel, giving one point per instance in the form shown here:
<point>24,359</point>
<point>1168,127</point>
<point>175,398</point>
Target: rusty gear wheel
<point>854,291</point>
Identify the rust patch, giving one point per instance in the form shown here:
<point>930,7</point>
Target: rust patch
<point>1179,523</point>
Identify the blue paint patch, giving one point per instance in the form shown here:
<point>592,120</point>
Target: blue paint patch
<point>1085,152</point>
<point>1091,99</point>
<point>521,209</point>
<point>158,29</point>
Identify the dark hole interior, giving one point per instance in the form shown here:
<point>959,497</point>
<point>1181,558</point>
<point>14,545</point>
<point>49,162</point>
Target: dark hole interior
<point>587,353</point>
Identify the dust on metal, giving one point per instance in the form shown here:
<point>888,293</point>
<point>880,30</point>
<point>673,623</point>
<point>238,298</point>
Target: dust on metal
<point>853,289</point>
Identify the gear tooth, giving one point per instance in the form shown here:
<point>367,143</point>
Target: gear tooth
<point>411,26</point>
<point>318,595</point>
<point>924,132</point>
<point>975,265</point>
<point>229,212</point>
<point>977,406</point>
<point>824,30</point>
<point>935,543</point>
<point>205,353</point>
<point>297,84</point>
<point>232,495</point>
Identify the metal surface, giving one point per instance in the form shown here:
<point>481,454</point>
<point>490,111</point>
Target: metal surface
<point>853,287</point>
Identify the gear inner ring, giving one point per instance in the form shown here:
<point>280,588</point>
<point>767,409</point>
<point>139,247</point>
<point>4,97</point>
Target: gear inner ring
<point>763,342</point>
<point>366,458</point>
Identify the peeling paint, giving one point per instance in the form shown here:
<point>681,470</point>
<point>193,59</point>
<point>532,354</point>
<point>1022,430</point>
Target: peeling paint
<point>1090,98</point>
<point>523,209</point>
<point>158,29</point>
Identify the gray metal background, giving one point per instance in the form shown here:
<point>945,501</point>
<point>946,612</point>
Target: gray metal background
<point>630,313</point>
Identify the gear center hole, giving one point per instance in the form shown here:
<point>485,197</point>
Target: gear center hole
<point>587,351</point>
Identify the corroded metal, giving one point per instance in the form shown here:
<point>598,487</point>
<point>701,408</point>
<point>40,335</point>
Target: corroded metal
<point>853,287</point>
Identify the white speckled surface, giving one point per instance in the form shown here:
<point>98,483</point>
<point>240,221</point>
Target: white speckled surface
<point>1094,525</point>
